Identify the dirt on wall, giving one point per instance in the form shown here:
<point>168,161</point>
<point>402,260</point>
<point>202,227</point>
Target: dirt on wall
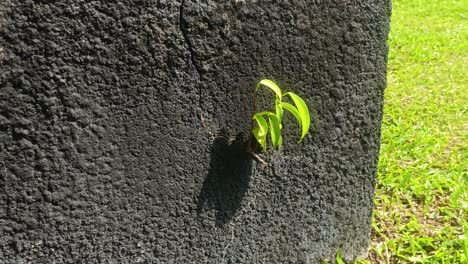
<point>123,127</point>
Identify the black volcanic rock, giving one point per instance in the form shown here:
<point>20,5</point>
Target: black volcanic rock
<point>123,126</point>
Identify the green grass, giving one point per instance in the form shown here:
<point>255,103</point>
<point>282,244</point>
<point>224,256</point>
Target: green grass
<point>421,194</point>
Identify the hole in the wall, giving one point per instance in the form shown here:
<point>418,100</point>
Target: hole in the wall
<point>227,180</point>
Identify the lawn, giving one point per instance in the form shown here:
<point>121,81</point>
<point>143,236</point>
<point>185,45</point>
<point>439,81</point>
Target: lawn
<point>421,205</point>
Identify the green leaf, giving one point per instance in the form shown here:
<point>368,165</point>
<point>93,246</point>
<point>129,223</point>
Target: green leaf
<point>261,131</point>
<point>270,84</point>
<point>279,111</point>
<point>275,131</point>
<point>293,110</point>
<point>264,113</point>
<point>339,259</point>
<point>260,139</point>
<point>303,113</point>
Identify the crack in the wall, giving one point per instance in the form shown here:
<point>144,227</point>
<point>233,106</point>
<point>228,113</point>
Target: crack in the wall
<point>183,24</point>
<point>151,49</point>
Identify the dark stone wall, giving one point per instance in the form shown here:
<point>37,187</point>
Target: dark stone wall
<point>123,127</point>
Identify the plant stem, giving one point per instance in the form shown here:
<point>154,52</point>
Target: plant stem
<point>258,159</point>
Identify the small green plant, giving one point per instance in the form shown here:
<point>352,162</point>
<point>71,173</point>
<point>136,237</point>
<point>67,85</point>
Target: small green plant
<point>299,110</point>
<point>339,257</point>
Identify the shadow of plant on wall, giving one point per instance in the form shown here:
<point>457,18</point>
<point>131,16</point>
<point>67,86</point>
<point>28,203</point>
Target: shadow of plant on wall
<point>227,180</point>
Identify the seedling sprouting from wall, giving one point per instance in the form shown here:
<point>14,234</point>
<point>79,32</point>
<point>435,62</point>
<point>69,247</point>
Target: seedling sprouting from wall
<point>271,121</point>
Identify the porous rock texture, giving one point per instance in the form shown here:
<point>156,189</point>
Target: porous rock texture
<point>123,127</point>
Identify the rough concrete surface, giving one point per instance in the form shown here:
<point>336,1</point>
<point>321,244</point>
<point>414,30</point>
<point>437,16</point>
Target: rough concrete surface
<point>123,126</point>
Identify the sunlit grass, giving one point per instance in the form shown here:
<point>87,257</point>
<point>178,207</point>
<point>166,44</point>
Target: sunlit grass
<point>421,194</point>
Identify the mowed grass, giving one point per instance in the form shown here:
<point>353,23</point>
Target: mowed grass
<point>421,205</point>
